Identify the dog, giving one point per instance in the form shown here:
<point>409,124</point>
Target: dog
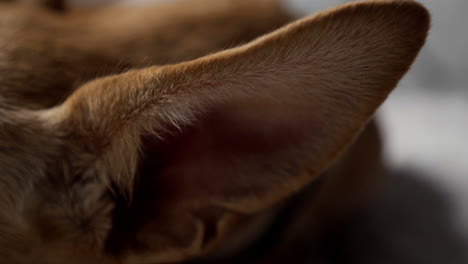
<point>184,132</point>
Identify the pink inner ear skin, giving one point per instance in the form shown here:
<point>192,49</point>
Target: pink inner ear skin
<point>233,150</point>
<point>233,154</point>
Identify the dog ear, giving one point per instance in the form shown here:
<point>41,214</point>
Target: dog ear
<point>189,146</point>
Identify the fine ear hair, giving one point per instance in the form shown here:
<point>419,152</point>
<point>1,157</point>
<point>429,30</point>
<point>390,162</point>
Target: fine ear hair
<point>189,146</point>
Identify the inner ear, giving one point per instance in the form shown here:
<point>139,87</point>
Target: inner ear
<point>230,155</point>
<point>207,172</point>
<point>221,156</point>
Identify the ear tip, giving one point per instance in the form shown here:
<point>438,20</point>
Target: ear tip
<point>416,12</point>
<point>417,20</point>
<point>415,15</point>
<point>424,17</point>
<point>411,18</point>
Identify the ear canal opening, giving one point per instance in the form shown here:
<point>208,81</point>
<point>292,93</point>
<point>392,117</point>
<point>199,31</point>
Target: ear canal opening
<point>151,194</point>
<point>131,214</point>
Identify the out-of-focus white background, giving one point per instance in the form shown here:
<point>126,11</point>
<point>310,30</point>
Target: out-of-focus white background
<point>425,124</point>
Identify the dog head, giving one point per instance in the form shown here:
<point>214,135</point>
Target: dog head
<point>154,165</point>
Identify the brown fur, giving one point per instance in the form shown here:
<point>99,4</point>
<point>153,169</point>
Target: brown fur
<point>58,52</point>
<point>157,163</point>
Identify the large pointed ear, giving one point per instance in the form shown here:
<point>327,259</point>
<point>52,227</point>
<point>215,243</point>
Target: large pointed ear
<point>188,146</point>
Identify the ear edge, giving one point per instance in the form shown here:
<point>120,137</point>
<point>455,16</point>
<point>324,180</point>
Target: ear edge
<point>412,18</point>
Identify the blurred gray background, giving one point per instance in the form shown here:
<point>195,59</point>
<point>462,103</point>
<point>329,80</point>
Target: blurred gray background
<point>421,214</point>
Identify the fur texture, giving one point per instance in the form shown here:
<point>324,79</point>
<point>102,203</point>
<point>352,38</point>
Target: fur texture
<point>118,145</point>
